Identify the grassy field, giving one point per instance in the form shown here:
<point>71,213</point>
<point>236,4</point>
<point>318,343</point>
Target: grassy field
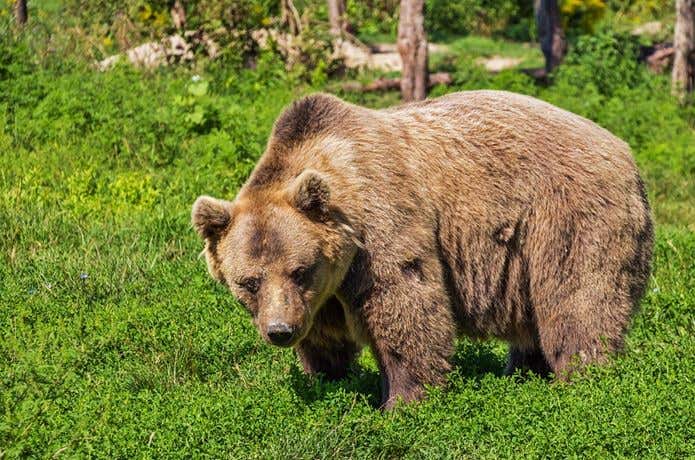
<point>115,343</point>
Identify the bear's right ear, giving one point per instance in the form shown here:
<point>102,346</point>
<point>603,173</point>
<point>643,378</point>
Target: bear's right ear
<point>310,193</point>
<point>210,216</point>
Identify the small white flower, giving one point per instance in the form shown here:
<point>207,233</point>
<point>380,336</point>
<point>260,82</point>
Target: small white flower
<point>195,78</point>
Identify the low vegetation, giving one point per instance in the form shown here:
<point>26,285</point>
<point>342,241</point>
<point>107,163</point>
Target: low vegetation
<point>115,343</point>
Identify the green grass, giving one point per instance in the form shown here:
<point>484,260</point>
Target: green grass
<point>472,47</point>
<point>148,357</point>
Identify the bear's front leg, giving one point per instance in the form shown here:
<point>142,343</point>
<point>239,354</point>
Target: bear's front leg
<point>411,329</point>
<point>328,348</point>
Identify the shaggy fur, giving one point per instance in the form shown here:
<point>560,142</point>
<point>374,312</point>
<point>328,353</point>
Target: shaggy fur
<point>484,213</point>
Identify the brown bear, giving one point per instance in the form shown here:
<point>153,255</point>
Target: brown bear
<point>486,213</point>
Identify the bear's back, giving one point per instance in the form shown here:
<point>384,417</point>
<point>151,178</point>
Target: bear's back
<point>505,121</point>
<point>490,143</point>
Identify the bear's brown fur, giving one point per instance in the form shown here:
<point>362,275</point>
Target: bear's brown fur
<point>485,213</point>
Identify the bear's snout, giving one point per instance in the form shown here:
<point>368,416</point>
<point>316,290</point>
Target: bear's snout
<point>280,334</point>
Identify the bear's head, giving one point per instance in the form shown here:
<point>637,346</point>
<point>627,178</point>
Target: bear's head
<point>282,253</point>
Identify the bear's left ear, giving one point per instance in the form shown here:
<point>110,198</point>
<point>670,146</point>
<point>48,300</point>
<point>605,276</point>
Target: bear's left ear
<point>310,193</point>
<point>210,216</point>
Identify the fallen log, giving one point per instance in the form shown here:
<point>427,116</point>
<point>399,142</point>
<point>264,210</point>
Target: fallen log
<point>657,57</point>
<point>660,59</point>
<point>392,84</point>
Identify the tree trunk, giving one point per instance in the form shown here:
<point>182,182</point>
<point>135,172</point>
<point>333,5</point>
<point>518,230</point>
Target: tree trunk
<point>336,16</point>
<point>550,33</point>
<point>20,11</point>
<point>412,46</point>
<point>290,17</point>
<point>684,44</point>
<point>178,15</point>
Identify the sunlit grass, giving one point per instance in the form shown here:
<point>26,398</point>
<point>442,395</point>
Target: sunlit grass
<point>115,342</point>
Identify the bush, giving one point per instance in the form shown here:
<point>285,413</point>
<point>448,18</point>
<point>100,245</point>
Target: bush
<point>374,18</point>
<point>640,11</point>
<point>463,17</point>
<point>581,16</point>
<point>606,61</point>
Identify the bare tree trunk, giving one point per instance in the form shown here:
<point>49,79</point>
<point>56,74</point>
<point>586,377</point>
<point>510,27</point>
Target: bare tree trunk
<point>20,11</point>
<point>178,15</point>
<point>290,16</point>
<point>412,46</point>
<point>550,33</point>
<point>683,76</point>
<point>336,16</point>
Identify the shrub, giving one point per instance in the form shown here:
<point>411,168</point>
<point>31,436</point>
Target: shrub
<point>581,15</point>
<point>464,17</point>
<point>606,61</point>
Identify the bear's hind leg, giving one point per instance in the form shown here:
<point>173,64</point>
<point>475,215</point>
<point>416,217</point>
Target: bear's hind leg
<point>587,272</point>
<point>584,328</point>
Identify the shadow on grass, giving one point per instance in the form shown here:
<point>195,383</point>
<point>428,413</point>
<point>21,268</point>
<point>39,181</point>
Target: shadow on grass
<point>361,381</point>
<point>474,360</point>
<point>471,360</point>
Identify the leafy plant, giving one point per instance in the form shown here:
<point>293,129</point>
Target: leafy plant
<point>582,15</point>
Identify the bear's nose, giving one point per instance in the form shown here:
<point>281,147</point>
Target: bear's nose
<point>280,333</point>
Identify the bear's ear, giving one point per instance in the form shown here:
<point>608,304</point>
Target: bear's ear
<point>210,216</point>
<point>310,193</point>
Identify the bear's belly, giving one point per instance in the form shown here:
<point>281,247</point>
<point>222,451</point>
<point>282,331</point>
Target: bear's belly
<point>489,281</point>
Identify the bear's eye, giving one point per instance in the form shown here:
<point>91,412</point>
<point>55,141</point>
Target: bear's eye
<point>301,275</point>
<point>250,284</point>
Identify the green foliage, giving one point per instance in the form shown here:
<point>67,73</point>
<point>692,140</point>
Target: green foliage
<point>463,17</point>
<point>374,18</point>
<point>378,20</point>
<point>581,15</point>
<point>151,17</point>
<point>16,56</point>
<point>605,61</point>
<point>115,342</point>
<point>641,11</point>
